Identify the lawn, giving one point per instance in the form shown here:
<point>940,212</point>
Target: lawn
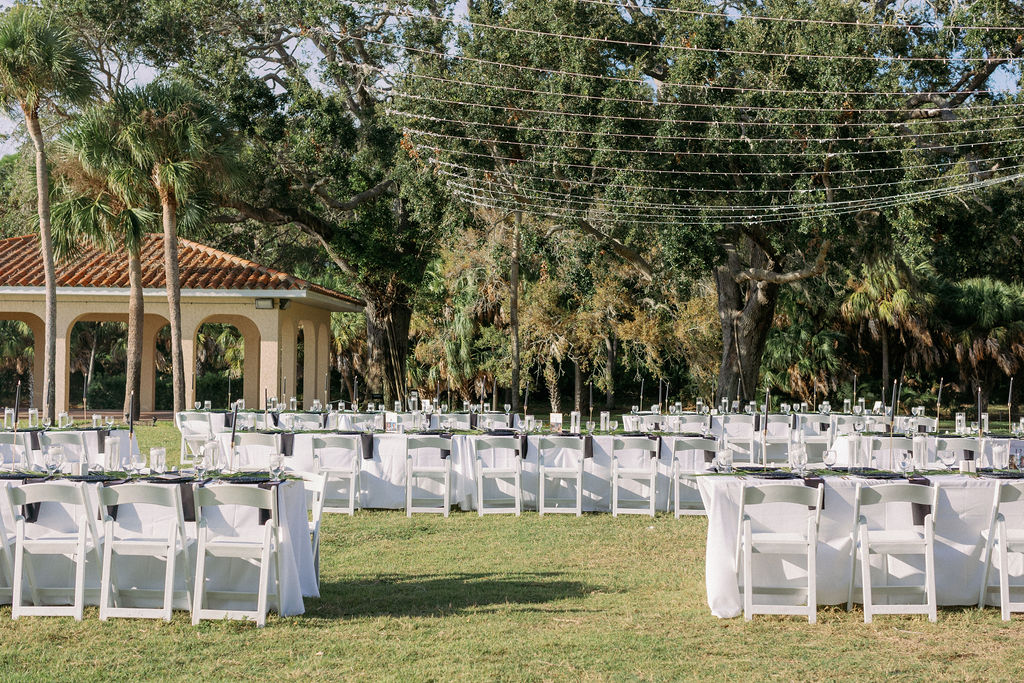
<point>503,598</point>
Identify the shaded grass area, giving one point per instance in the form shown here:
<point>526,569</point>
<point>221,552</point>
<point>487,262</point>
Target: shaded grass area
<point>553,598</point>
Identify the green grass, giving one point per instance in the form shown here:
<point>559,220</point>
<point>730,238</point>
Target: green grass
<point>466,598</point>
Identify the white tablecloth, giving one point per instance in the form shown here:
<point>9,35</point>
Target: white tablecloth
<point>964,507</point>
<point>298,577</point>
<point>74,454</point>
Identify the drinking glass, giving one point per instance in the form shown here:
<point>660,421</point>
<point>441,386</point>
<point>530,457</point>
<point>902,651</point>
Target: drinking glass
<point>110,422</point>
<point>136,462</point>
<point>948,459</point>
<point>158,460</point>
<point>55,460</point>
<point>613,425</point>
<point>590,426</point>
<point>830,458</point>
<point>635,409</point>
<point>508,407</point>
<point>198,405</point>
<point>276,465</point>
<point>200,463</point>
<point>207,405</point>
<point>444,407</point>
<point>724,458</point>
<point>47,422</point>
<point>903,461</point>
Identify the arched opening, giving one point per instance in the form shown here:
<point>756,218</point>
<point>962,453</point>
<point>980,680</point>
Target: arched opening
<point>97,362</point>
<point>220,361</point>
<point>18,362</point>
<point>300,362</point>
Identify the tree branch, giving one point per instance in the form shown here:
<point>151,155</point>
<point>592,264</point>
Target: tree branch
<point>621,250</point>
<point>762,275</point>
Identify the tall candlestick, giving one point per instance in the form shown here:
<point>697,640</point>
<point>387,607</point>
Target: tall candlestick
<point>131,420</point>
<point>284,390</point>
<point>526,401</point>
<point>229,389</point>
<point>979,411</point>
<point>854,389</point>
<point>641,393</point>
<point>266,399</point>
<point>591,400</point>
<point>17,404</point>
<point>494,394</point>
<point>659,391</point>
<point>327,388</point>
<point>355,390</point>
<point>1009,406</point>
<point>938,405</point>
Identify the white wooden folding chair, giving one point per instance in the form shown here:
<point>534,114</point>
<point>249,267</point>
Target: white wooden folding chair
<point>499,459</point>
<point>434,465</point>
<point>1003,538</point>
<point>252,451</point>
<point>885,451</point>
<point>634,460</point>
<point>316,496</point>
<point>7,542</point>
<point>73,444</point>
<point>692,423</point>
<point>549,450</point>
<point>883,542</point>
<point>801,500</point>
<point>684,473</point>
<point>170,547</point>
<point>338,457</point>
<point>261,551</point>
<point>959,445</point>
<point>195,432</point>
<point>301,421</point>
<point>738,431</point>
<point>79,545</point>
<point>15,450</point>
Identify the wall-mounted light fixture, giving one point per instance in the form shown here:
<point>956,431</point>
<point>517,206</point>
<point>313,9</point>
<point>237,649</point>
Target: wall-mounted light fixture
<point>264,304</point>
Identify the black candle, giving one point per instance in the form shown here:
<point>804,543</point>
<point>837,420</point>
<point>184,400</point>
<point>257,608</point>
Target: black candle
<point>17,404</point>
<point>131,419</point>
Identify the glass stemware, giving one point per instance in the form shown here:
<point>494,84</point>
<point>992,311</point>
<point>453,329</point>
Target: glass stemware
<point>276,465</point>
<point>199,405</point>
<point>948,459</point>
<point>613,425</point>
<point>55,460</point>
<point>47,422</point>
<point>830,458</point>
<point>508,408</point>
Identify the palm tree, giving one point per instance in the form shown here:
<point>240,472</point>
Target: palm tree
<point>40,64</point>
<point>892,296</point>
<point>107,204</point>
<point>983,322</point>
<point>182,146</point>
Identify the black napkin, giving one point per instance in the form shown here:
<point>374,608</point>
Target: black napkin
<point>922,429</point>
<point>501,431</point>
<point>265,513</point>
<point>918,510</point>
<point>34,437</point>
<point>472,420</point>
<point>229,420</point>
<point>287,443</point>
<point>757,422</point>
<point>968,454</point>
<point>524,445</point>
<point>324,417</point>
<point>709,457</point>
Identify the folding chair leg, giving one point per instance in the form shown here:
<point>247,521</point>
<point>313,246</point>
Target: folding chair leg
<point>652,492</point>
<point>615,490</point>
<point>812,580</point>
<point>853,570</point>
<point>447,488</point>
<point>519,493</point>
<point>1004,575</point>
<point>80,576</point>
<point>865,570</point>
<point>929,575</point>
<point>171,560</point>
<point>264,585</point>
<point>17,579</point>
<point>540,491</point>
<point>200,585</point>
<point>408,488</point>
<point>986,558</point>
<point>748,575</point>
<point>579,491</point>
<point>479,488</point>
<point>108,551</point>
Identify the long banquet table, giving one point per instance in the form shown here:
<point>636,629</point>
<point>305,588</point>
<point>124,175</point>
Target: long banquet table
<point>965,503</point>
<point>382,472</point>
<point>298,577</point>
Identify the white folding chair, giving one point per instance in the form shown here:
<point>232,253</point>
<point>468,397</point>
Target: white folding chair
<point>738,431</point>
<point>168,547</point>
<point>958,445</point>
<point>15,450</point>
<point>435,466</point>
<point>78,545</point>
<point>73,444</point>
<point>1003,538</point>
<point>195,432</point>
<point>7,542</point>
<point>252,451</point>
<point>338,457</point>
<point>498,458</point>
<point>801,500</point>
<point>884,451</point>
<point>316,494</point>
<point>883,542</point>
<point>684,474</point>
<point>692,423</point>
<point>261,551</point>
<point>301,421</point>
<point>549,470</point>
<point>634,460</point>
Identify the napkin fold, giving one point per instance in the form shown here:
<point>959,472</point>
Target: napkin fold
<point>918,510</point>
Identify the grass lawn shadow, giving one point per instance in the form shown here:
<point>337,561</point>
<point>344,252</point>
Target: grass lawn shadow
<point>402,595</point>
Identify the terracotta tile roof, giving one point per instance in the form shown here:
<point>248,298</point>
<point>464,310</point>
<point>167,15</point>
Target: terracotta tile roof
<point>201,267</point>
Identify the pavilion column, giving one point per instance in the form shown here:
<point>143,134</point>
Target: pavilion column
<point>323,361</point>
<point>191,319</point>
<point>62,378</point>
<point>38,361</point>
<point>286,350</point>
<point>251,370</point>
<point>309,365</point>
<point>151,327</point>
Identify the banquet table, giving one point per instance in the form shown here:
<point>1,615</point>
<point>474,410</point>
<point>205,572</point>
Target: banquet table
<point>382,471</point>
<point>93,454</point>
<point>298,577</point>
<point>965,503</point>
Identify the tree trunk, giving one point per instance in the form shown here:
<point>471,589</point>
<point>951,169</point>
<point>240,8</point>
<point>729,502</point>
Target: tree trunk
<point>609,373</point>
<point>514,309</point>
<point>170,224</point>
<point>577,387</point>
<point>551,379</point>
<point>746,313</point>
<point>387,335</point>
<point>133,360</point>
<point>49,270</point>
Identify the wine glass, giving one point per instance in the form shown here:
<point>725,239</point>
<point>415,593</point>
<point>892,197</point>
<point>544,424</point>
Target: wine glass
<point>635,409</point>
<point>47,422</point>
<point>590,426</point>
<point>799,458</point>
<point>830,458</point>
<point>110,422</point>
<point>724,458</point>
<point>158,460</point>
<point>201,463</point>
<point>948,459</point>
<point>198,404</point>
<point>613,426</point>
<point>902,462</point>
<point>508,408</point>
<point>55,460</point>
<point>276,465</point>
<point>136,462</point>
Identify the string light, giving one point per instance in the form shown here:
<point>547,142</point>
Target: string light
<point>405,14</point>
<point>701,153</point>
